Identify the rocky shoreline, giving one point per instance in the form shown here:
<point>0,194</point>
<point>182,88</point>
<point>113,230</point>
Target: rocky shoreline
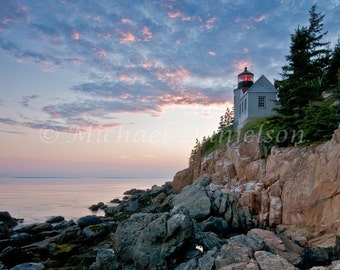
<point>203,227</point>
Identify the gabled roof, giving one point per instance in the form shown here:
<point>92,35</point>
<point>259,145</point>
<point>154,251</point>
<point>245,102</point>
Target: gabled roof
<point>262,85</point>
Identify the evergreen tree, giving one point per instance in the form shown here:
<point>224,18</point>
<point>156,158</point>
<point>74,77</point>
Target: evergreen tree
<point>226,120</point>
<point>320,52</point>
<point>302,77</point>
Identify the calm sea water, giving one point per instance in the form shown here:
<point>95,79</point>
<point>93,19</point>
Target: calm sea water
<point>36,199</point>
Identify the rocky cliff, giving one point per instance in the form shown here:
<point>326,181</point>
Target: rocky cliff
<point>296,188</point>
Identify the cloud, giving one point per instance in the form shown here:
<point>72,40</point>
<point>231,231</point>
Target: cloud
<point>141,56</point>
<point>26,100</point>
<point>8,121</point>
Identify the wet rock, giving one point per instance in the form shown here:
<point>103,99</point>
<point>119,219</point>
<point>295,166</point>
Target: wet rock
<point>55,219</point>
<point>105,260</point>
<point>21,239</point>
<point>6,218</point>
<point>4,231</point>
<point>88,220</point>
<point>148,240</point>
<point>29,266</point>
<point>96,207</point>
<point>12,256</point>
<point>95,232</point>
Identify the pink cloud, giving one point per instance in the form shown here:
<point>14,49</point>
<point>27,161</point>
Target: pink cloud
<point>126,21</point>
<point>210,22</point>
<point>76,36</point>
<point>260,19</point>
<point>174,15</point>
<point>127,37</point>
<point>147,33</point>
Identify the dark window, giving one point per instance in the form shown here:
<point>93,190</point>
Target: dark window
<point>262,102</point>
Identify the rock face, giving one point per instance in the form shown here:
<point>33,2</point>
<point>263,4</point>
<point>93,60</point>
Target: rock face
<point>295,187</point>
<point>150,240</point>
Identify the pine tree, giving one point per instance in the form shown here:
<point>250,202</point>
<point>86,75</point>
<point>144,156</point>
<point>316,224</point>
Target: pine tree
<point>303,76</point>
<point>226,120</point>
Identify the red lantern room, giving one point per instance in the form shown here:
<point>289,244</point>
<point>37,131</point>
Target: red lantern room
<point>245,80</point>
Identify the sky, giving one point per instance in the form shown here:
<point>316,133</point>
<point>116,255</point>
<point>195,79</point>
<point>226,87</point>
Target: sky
<point>124,87</point>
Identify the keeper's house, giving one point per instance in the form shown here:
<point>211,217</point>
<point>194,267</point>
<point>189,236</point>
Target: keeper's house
<point>253,100</point>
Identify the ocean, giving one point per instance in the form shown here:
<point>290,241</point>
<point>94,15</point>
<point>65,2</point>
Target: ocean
<point>37,199</point>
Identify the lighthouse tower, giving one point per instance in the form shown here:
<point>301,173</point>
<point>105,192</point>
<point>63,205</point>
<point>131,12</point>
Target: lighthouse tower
<point>245,81</point>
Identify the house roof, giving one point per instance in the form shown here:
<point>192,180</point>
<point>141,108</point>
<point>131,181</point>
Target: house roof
<point>262,85</point>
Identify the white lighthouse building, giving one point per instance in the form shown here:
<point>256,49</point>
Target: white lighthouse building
<point>253,100</point>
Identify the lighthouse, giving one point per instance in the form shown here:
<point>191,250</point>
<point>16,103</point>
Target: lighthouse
<point>253,99</point>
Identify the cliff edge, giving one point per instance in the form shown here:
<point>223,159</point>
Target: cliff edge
<point>294,188</point>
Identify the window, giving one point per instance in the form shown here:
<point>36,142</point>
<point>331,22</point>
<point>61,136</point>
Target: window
<point>239,109</point>
<point>262,102</point>
<point>245,104</point>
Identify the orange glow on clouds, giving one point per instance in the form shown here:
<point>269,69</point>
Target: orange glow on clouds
<point>240,65</point>
<point>76,36</point>
<point>174,15</point>
<point>127,37</point>
<point>126,21</point>
<point>147,33</point>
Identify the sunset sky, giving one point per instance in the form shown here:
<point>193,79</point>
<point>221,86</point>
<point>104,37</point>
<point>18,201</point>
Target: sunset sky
<point>124,88</point>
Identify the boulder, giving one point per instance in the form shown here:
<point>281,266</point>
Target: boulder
<point>6,218</point>
<point>195,199</point>
<point>280,245</point>
<point>269,261</point>
<point>55,219</point>
<point>88,220</point>
<point>148,240</point>
<point>105,260</point>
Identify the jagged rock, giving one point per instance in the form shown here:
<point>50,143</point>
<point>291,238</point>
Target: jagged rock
<point>269,261</point>
<point>147,240</point>
<point>182,179</point>
<point>95,232</point>
<point>207,261</point>
<point>232,253</point>
<point>298,184</point>
<point>29,266</point>
<point>105,260</point>
<point>214,224</point>
<point>195,199</point>
<point>208,240</point>
<point>276,245</point>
